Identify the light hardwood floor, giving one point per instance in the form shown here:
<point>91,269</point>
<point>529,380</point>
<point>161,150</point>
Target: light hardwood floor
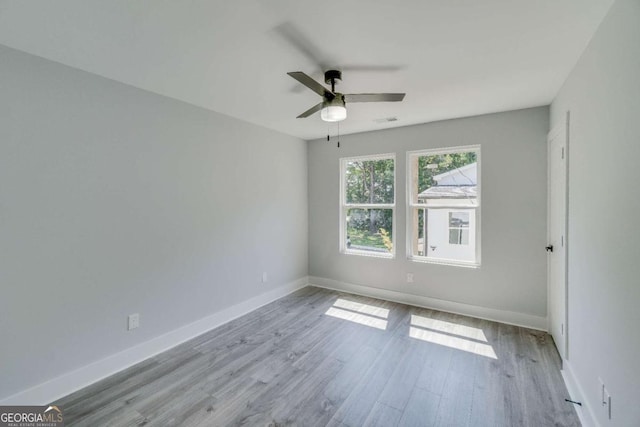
<point>318,357</point>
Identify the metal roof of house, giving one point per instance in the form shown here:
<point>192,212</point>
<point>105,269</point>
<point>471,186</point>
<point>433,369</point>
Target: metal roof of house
<point>459,170</point>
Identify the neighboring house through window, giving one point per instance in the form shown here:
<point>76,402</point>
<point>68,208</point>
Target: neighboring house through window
<point>444,205</point>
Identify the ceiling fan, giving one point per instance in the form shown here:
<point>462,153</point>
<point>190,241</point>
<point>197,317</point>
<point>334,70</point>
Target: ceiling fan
<point>333,105</point>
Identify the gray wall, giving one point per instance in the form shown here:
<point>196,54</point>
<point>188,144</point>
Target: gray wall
<point>114,200</point>
<point>603,95</point>
<point>513,272</point>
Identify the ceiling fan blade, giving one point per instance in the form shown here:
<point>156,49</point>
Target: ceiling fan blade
<point>373,97</point>
<point>297,39</point>
<point>363,68</point>
<point>303,43</point>
<point>312,84</point>
<point>310,111</point>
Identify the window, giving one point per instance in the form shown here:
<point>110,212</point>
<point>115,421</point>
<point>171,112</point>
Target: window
<point>458,228</point>
<point>444,205</point>
<point>367,205</point>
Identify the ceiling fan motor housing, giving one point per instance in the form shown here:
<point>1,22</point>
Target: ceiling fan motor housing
<point>338,101</point>
<point>331,76</point>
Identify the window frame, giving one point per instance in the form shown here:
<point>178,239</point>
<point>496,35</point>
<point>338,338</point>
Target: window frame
<point>411,204</point>
<point>344,206</point>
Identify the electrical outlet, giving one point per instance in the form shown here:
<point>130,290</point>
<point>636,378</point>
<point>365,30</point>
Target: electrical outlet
<point>409,277</point>
<point>264,277</point>
<point>133,321</point>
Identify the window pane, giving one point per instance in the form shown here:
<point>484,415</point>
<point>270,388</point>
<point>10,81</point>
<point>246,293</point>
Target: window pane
<point>454,236</point>
<point>369,181</point>
<point>459,219</point>
<point>370,230</point>
<point>447,178</point>
<point>464,236</point>
<point>458,236</point>
<point>419,218</point>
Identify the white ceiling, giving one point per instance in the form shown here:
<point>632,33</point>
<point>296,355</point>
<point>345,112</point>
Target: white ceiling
<point>453,58</point>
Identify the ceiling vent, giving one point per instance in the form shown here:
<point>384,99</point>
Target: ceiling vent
<point>386,120</point>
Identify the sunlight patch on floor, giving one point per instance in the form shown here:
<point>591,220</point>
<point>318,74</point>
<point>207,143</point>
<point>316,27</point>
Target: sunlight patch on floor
<point>363,314</point>
<point>448,327</point>
<point>451,335</point>
<point>362,308</point>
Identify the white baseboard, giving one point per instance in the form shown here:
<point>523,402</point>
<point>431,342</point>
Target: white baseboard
<point>69,382</point>
<point>502,316</point>
<point>585,412</point>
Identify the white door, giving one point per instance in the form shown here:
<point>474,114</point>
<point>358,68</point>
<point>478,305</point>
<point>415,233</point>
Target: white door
<point>557,249</point>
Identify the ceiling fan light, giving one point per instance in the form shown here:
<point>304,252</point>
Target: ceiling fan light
<point>333,113</point>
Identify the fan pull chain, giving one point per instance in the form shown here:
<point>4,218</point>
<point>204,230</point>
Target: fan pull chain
<point>329,134</point>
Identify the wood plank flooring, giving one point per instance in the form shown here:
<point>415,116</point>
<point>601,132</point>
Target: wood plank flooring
<point>323,358</point>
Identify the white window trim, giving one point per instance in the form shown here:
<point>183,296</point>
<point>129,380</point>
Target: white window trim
<point>411,204</point>
<point>343,206</point>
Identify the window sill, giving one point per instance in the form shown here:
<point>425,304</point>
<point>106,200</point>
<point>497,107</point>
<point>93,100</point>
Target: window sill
<point>450,263</point>
<point>368,254</point>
